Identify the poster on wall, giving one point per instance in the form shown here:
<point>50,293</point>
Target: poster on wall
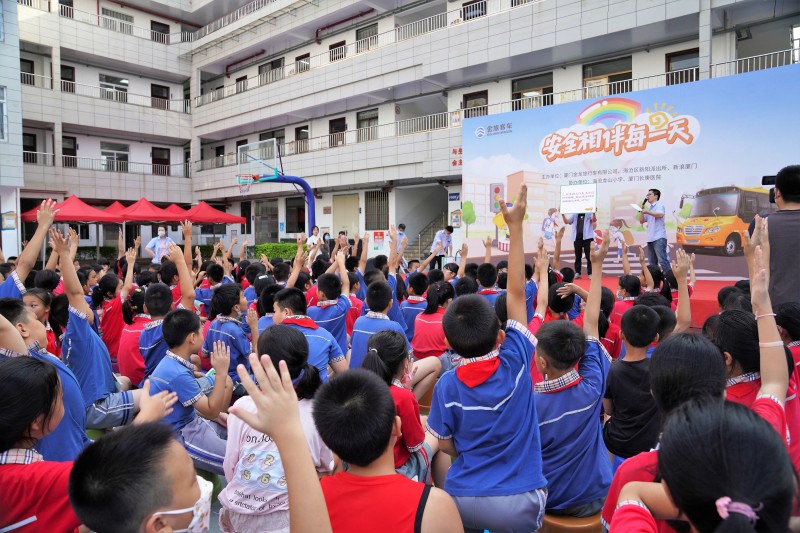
<point>704,145</point>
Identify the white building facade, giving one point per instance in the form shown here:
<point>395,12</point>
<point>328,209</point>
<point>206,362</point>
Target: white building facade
<point>151,98</point>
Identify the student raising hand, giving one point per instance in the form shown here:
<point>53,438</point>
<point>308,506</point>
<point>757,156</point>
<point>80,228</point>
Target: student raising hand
<point>277,415</point>
<point>154,408</point>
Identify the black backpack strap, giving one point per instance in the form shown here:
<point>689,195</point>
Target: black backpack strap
<point>423,500</point>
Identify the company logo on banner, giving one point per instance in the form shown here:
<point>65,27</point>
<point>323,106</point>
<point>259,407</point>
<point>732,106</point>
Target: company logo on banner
<point>704,145</point>
<point>618,126</point>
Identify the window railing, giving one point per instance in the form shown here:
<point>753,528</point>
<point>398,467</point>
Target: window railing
<point>754,63</point>
<point>179,106</point>
<point>436,22</point>
<point>453,119</point>
<point>42,5</point>
<point>38,158</point>
<point>121,26</point>
<point>36,80</point>
<point>116,165</point>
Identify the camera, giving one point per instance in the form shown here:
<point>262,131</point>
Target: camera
<point>769,180</point>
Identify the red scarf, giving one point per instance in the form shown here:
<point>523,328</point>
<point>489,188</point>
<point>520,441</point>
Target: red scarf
<point>488,291</point>
<point>474,374</point>
<point>302,321</point>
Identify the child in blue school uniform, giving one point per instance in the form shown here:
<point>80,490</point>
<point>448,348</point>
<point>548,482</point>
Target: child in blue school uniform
<point>379,298</point>
<point>334,302</point>
<point>227,306</point>
<point>568,404</point>
<point>194,413</point>
<point>416,303</point>
<point>487,277</point>
<point>390,276</point>
<point>484,412</point>
<point>108,402</point>
<point>323,350</point>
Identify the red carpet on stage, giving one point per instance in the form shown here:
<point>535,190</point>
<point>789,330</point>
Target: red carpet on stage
<point>704,296</point>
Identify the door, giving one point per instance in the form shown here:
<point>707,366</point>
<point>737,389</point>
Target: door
<point>29,154</point>
<point>67,79</point>
<point>336,129</point>
<point>69,151</point>
<point>338,51</point>
<point>160,161</point>
<point>159,96</point>
<point>65,8</point>
<point>367,124</point>
<point>475,104</point>
<point>26,72</point>
<point>241,84</point>
<point>159,32</point>
<point>266,218</point>
<point>345,214</point>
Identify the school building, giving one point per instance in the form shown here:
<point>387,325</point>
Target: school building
<point>122,99</point>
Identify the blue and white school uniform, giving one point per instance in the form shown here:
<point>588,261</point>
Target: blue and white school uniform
<point>152,346</point>
<point>86,355</point>
<point>531,291</point>
<point>264,322</point>
<point>322,347</point>
<point>12,287</point>
<point>410,309</point>
<point>250,295</point>
<point>365,327</point>
<point>229,330</point>
<point>332,315</point>
<point>491,295</point>
<point>574,457</point>
<point>395,313</point>
<point>487,407</point>
<point>203,439</point>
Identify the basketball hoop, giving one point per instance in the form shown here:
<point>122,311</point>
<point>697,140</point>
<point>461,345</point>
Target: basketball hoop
<point>245,181</point>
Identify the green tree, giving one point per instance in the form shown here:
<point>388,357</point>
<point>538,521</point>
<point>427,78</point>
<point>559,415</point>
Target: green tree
<point>468,215</point>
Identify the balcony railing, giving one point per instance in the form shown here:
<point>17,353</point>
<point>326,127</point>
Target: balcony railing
<point>436,22</point>
<point>124,97</point>
<point>36,80</point>
<point>42,5</point>
<point>116,165</point>
<point>121,26</point>
<point>230,18</point>
<point>754,63</point>
<point>453,119</point>
<point>38,158</point>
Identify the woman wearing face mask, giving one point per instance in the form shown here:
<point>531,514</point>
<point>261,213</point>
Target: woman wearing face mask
<point>416,449</point>
<point>157,247</point>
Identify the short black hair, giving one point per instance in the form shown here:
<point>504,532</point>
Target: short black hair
<point>656,192</point>
<point>471,325</point>
<point>225,297</point>
<point>373,275</point>
<point>502,264</point>
<point>502,280</point>
<point>330,285</point>
<point>143,279</point>
<point>266,299</point>
<point>435,276</point>
<point>487,275</point>
<point>556,302</point>
<point>252,271</point>
<point>667,320</point>
<point>293,299</point>
<point>501,308</point>
<point>401,227</point>
<point>47,280</point>
<point>738,301</point>
<point>528,271</point>
<point>787,181</point>
<point>737,334</point>
<point>724,293</point>
<point>14,310</point>
<point>379,296</point>
<point>567,275</point>
<point>178,325</point>
<point>465,285</point>
<point>158,299</point>
<point>6,269</point>
<point>318,268</point>
<point>743,285</point>
<point>788,318</point>
<point>350,263</point>
<point>281,271</point>
<point>640,325</point>
<point>449,229</point>
<point>561,342</point>
<point>652,299</point>
<point>119,480</point>
<point>471,270</point>
<point>215,273</point>
<point>354,415</point>
<point>302,280</point>
<point>168,272</point>
<point>380,261</point>
<point>631,284</point>
<point>418,282</point>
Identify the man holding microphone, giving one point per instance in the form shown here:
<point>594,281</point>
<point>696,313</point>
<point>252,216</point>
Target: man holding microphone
<point>652,214</point>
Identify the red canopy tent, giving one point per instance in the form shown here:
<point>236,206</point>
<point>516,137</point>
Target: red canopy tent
<point>176,210</point>
<point>116,208</point>
<point>203,213</point>
<point>144,211</point>
<point>73,209</point>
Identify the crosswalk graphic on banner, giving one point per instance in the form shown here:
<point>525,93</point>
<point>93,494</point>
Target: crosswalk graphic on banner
<point>613,268</point>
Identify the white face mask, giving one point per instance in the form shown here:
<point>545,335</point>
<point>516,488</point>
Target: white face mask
<point>201,510</point>
<point>161,233</point>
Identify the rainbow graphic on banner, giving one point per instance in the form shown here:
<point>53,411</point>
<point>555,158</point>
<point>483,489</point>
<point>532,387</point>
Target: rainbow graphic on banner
<point>609,111</point>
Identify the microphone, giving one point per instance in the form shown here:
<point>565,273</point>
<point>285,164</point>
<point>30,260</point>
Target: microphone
<point>644,201</point>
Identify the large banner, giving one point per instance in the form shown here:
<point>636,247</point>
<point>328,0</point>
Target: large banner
<point>704,145</point>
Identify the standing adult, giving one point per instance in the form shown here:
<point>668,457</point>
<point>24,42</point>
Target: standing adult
<point>784,238</point>
<point>314,238</point>
<point>582,237</point>
<point>443,237</point>
<point>652,214</point>
<point>401,234</point>
<point>157,247</point>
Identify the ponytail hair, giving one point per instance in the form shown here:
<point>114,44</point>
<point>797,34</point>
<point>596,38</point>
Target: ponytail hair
<point>664,281</point>
<point>133,306</point>
<point>285,343</point>
<point>386,351</point>
<point>438,294</point>
<point>105,288</point>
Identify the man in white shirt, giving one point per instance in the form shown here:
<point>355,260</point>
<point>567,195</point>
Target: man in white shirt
<point>443,237</point>
<point>653,214</point>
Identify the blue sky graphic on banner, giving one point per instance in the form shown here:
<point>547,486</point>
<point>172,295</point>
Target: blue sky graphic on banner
<point>705,145</point>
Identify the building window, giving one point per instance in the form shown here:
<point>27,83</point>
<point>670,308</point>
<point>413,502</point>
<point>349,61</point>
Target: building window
<point>242,158</point>
<point>475,104</point>
<point>247,213</point>
<point>295,214</point>
<point>473,10</point>
<point>337,129</point>
<point>69,152</point>
<point>796,43</point>
<point>302,63</point>
<point>301,139</point>
<point>114,156</point>
<point>241,84</point>
<point>159,96</point>
<point>683,67</point>
<point>2,24</point>
<point>82,230</point>
<point>159,32</point>
<point>268,152</point>
<point>160,161</point>
<point>67,79</point>
<point>377,210</point>
<point>533,91</point>
<point>271,71</point>
<point>367,124</point>
<point>29,154</point>
<point>366,38</point>
<point>116,21</point>
<point>27,72</point>
<point>113,88</point>
<point>338,51</point>
<point>3,116</point>
<point>608,77</point>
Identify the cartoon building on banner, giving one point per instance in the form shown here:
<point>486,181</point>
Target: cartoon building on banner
<point>704,145</point>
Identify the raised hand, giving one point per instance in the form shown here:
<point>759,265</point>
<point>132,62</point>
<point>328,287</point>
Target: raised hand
<point>300,260</point>
<point>301,240</point>
<point>642,258</point>
<point>174,252</point>
<point>186,228</point>
<point>487,242</point>
<point>46,213</point>
<point>560,232</point>
<point>681,265</point>
<point>542,262</point>
<point>598,253</point>
<point>73,237</point>
<point>130,256</point>
<point>221,358</point>
<point>516,214</point>
<point>57,242</point>
<point>137,242</point>
<point>464,251</point>
<point>252,319</point>
<point>759,282</point>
